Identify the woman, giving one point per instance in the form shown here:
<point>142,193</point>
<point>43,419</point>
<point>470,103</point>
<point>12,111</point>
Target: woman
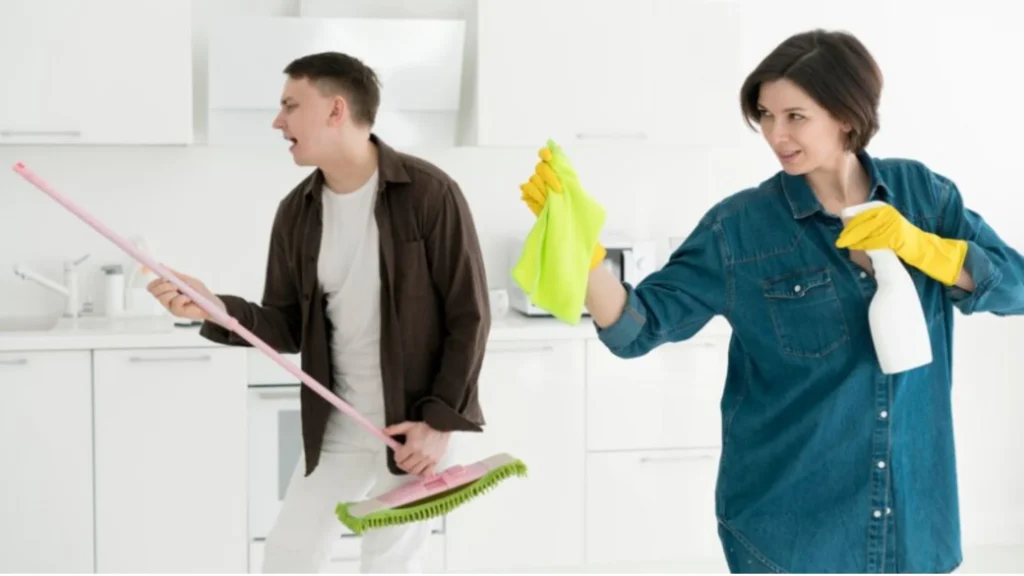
<point>828,465</point>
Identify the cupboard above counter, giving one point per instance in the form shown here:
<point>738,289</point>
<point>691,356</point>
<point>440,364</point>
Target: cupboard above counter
<point>102,72</point>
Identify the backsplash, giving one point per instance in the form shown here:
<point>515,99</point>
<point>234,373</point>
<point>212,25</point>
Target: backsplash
<point>207,211</point>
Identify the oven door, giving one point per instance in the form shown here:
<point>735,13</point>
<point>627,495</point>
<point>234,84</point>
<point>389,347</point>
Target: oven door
<point>275,447</point>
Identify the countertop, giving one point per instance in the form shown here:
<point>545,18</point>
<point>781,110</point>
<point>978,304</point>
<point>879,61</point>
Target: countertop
<point>511,327</point>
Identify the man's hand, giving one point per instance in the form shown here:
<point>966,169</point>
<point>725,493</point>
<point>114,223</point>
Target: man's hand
<point>180,304</point>
<point>885,228</point>
<point>423,449</point>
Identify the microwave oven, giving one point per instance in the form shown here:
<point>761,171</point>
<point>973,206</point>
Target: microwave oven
<point>628,260</point>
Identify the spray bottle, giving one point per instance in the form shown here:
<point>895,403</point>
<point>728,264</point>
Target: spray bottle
<point>898,326</point>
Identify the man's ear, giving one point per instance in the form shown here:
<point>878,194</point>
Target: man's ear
<point>339,111</point>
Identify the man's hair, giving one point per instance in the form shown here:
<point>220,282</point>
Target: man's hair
<point>833,68</point>
<point>339,74</point>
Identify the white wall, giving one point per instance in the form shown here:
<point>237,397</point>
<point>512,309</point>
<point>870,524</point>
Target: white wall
<point>185,200</point>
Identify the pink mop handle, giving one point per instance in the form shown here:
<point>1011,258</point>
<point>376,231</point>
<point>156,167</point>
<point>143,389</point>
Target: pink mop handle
<point>219,315</point>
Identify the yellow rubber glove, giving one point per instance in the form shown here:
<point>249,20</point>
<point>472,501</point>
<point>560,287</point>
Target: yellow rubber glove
<point>535,192</point>
<point>884,227</point>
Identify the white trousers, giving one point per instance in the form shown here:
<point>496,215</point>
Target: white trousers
<point>352,467</point>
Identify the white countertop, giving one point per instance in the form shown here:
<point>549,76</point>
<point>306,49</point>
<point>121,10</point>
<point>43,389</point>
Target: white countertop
<point>513,326</point>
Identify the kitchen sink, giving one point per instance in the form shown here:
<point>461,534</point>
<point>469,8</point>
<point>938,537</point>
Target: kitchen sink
<point>46,325</point>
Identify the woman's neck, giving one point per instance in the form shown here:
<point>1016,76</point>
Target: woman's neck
<point>842,184</point>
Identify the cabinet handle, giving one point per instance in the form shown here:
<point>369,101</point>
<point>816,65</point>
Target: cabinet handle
<point>142,359</point>
<point>279,394</point>
<point>611,135</point>
<point>687,458</point>
<point>14,362</point>
<point>527,348</point>
<point>70,133</point>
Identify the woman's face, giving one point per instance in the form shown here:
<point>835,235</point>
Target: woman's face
<point>803,135</point>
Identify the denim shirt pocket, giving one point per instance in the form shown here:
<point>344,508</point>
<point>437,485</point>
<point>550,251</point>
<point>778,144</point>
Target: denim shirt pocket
<point>806,312</point>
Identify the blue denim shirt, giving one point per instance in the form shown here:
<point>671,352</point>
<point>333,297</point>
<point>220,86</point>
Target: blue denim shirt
<point>827,464</point>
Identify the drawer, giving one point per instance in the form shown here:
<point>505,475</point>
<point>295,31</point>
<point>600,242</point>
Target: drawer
<point>344,558</point>
<point>653,509</point>
<point>262,371</point>
<point>669,398</point>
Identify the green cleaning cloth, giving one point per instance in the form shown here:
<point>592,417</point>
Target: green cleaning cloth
<point>553,267</point>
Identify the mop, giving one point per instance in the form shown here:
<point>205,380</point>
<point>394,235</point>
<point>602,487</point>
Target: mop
<point>416,501</point>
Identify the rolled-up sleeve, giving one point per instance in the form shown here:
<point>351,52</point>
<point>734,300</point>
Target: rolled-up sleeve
<point>996,269</point>
<point>675,302</point>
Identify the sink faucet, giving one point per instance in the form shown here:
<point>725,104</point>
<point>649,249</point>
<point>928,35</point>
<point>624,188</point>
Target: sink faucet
<point>69,290</point>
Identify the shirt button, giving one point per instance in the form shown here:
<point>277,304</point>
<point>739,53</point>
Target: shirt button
<point>863,274</point>
<point>877,513</point>
<point>883,414</point>
<point>888,511</point>
<point>796,288</point>
<point>881,464</point>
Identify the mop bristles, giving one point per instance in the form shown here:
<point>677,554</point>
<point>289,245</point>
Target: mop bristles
<point>373,514</point>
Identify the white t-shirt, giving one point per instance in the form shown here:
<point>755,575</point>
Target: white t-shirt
<point>349,273</point>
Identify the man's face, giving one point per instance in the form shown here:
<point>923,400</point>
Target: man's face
<point>310,120</point>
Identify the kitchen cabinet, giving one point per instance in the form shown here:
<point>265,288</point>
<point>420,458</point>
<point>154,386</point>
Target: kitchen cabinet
<point>344,557</point>
<point>46,523</point>
<point>698,52</point>
<point>666,501</point>
<point>171,470</point>
<point>97,72</point>
<point>668,398</point>
<point>562,70</point>
<point>532,396</point>
<point>421,75</point>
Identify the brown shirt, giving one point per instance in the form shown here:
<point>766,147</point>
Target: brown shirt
<point>435,315</point>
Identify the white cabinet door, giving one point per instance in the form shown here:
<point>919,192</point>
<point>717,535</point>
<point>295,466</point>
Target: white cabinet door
<point>668,398</point>
<point>345,555</point>
<point>532,397</point>
<point>46,520</point>
<point>97,72</point>
<point>559,69</point>
<point>171,460</point>
<point>653,511</point>
<point>698,50</point>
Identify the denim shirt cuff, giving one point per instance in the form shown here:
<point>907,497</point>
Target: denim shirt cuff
<point>625,330</point>
<point>984,274</point>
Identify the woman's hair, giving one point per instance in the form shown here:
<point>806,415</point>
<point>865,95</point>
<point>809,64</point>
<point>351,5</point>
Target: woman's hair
<point>834,69</point>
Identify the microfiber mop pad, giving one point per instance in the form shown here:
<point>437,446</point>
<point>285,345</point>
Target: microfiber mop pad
<point>556,258</point>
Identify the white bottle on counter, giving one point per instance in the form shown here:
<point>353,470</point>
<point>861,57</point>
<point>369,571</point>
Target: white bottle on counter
<point>898,326</point>
<point>113,290</point>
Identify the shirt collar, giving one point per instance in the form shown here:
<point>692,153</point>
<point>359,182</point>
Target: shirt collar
<point>803,202</point>
<point>389,166</point>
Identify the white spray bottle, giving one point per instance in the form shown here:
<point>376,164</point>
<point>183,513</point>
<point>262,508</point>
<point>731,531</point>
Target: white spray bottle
<point>898,326</point>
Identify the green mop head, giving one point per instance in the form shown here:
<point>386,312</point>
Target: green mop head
<point>430,497</point>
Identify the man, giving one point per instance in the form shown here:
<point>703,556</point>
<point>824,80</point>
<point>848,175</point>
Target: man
<point>375,274</point>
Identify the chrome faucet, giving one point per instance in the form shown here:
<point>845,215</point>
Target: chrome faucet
<point>69,290</point>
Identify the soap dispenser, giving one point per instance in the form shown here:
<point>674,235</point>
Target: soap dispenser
<point>113,290</point>
<point>895,316</point>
